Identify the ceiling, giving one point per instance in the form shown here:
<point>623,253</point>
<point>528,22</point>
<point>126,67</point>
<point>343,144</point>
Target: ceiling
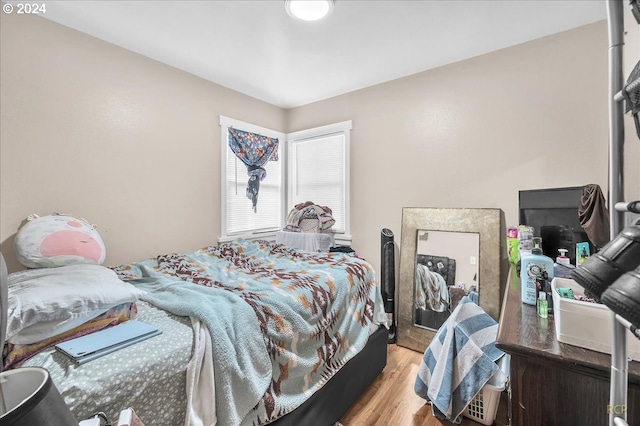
<point>256,48</point>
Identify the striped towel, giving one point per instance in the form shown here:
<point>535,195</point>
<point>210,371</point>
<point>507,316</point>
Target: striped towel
<point>459,361</point>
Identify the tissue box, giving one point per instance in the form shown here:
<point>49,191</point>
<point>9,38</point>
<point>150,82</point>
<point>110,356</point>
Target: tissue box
<point>585,324</point>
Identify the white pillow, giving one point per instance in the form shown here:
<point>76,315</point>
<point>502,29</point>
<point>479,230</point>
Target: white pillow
<point>46,329</point>
<point>63,295</point>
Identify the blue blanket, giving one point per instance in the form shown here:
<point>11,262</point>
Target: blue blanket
<point>310,312</point>
<point>242,367</point>
<point>459,361</point>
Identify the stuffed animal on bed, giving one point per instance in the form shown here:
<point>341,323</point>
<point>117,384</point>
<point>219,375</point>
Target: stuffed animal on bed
<point>66,292</point>
<point>58,240</point>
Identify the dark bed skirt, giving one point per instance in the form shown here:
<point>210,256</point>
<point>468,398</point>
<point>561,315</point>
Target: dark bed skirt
<point>326,406</point>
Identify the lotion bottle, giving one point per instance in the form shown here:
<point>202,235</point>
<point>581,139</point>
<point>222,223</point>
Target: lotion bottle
<point>563,259</point>
<point>563,267</point>
<point>533,266</point>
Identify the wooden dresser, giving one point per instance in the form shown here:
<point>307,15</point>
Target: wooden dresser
<point>554,383</point>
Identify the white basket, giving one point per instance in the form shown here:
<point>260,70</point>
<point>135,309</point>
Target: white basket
<point>484,406</point>
<point>586,324</point>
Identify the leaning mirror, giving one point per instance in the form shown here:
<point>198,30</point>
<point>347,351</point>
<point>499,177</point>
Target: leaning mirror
<point>446,254</point>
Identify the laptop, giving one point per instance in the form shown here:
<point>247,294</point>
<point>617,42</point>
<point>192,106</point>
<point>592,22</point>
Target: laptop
<point>91,346</point>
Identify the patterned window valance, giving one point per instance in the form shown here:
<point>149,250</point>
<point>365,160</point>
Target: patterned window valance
<point>254,151</point>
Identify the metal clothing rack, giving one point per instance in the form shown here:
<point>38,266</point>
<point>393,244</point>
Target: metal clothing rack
<point>619,364</point>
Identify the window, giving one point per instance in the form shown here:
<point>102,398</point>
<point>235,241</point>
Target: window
<point>313,166</point>
<point>318,171</point>
<point>238,217</point>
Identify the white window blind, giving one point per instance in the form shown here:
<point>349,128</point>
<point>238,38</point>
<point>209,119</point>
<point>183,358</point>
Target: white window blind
<point>240,216</point>
<point>318,171</point>
<point>317,174</point>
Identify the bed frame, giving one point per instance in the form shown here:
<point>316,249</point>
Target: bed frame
<point>328,405</point>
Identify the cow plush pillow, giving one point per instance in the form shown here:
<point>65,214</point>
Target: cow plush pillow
<point>58,240</point>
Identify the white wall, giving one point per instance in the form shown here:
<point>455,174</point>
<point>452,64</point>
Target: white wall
<point>121,140</point>
<point>133,145</point>
<point>474,133</point>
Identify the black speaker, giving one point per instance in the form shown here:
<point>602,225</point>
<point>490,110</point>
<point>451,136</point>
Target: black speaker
<point>388,279</point>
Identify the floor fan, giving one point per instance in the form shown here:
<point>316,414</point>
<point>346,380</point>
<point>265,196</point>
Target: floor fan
<point>387,254</point>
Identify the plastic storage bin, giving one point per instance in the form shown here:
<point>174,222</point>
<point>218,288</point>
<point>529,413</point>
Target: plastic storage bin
<point>585,324</point>
<point>484,406</point>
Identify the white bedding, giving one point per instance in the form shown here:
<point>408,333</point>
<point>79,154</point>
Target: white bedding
<point>200,379</point>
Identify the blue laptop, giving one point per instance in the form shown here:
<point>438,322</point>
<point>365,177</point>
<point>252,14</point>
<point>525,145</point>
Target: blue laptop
<point>86,348</point>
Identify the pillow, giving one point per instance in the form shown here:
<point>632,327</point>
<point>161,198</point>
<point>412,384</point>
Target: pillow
<point>17,353</point>
<point>58,240</point>
<point>45,329</point>
<point>57,295</point>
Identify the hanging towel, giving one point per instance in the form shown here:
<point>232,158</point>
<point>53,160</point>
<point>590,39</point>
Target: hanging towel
<point>594,216</point>
<point>254,151</point>
<point>459,361</point>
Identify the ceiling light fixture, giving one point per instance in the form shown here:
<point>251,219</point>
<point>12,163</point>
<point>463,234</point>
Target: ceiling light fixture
<point>309,10</point>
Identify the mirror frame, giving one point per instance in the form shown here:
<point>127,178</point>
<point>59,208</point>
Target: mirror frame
<point>492,263</point>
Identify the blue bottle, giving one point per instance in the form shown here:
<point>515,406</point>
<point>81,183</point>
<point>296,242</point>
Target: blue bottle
<point>534,267</point>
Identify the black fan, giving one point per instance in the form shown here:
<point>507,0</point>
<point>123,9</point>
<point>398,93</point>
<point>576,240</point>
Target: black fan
<point>387,252</point>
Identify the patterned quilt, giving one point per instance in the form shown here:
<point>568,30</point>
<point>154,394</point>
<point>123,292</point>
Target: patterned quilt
<point>315,312</point>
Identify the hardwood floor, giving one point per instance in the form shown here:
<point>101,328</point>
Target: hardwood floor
<point>391,401</point>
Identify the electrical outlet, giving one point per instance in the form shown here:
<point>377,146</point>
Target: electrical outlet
<point>472,260</point>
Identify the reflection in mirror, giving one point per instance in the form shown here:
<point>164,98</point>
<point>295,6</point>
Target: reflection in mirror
<point>446,270</point>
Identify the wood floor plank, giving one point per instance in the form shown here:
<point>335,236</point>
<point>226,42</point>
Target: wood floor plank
<point>391,401</point>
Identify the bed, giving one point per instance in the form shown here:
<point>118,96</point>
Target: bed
<point>267,335</point>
